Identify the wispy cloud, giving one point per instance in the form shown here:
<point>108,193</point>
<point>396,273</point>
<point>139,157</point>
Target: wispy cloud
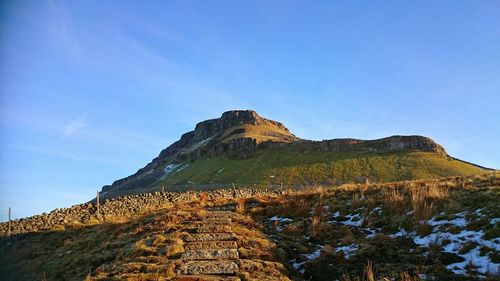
<point>61,29</point>
<point>74,126</point>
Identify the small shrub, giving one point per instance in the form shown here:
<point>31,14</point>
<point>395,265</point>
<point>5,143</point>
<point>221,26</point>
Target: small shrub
<point>356,201</point>
<point>424,229</point>
<point>467,247</point>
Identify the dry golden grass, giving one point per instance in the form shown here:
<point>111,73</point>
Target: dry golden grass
<point>240,205</point>
<point>394,200</point>
<point>263,132</point>
<point>369,275</point>
<point>113,241</point>
<point>423,200</point>
<point>318,213</point>
<point>316,221</point>
<point>295,207</point>
<point>356,201</point>
<point>203,199</point>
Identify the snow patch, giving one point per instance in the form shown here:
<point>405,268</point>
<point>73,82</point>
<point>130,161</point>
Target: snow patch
<point>400,233</point>
<point>483,264</point>
<point>494,221</point>
<point>353,220</point>
<point>459,221</point>
<point>314,255</point>
<point>199,144</point>
<point>280,219</point>
<point>169,169</point>
<point>348,250</point>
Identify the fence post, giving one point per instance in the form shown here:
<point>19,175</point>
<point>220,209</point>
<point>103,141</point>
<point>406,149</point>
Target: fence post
<point>97,203</point>
<point>8,230</point>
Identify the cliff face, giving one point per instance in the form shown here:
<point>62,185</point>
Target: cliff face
<point>389,144</point>
<point>241,133</point>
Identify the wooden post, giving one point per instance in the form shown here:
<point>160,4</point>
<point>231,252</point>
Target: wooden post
<point>97,203</point>
<point>8,230</point>
<point>162,189</point>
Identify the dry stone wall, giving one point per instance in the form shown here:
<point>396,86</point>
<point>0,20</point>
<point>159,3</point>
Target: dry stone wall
<point>119,207</point>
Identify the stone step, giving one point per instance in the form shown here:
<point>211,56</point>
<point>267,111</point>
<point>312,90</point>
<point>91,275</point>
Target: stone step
<point>220,214</point>
<point>248,265</point>
<point>201,237</point>
<point>210,220</point>
<point>226,208</point>
<point>196,224</point>
<point>212,254</point>
<point>211,245</point>
<point>206,278</point>
<point>213,228</point>
<point>208,267</point>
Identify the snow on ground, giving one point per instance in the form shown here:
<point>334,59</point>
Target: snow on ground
<point>173,168</point>
<point>314,255</point>
<point>401,233</point>
<point>459,221</point>
<point>356,220</point>
<point>311,256</point>
<point>169,168</point>
<point>348,250</point>
<point>455,242</point>
<point>198,144</point>
<point>494,221</point>
<point>353,220</point>
<point>336,215</point>
<point>451,242</point>
<point>280,220</point>
<point>377,210</point>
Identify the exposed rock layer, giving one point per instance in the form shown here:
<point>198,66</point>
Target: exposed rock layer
<point>243,132</point>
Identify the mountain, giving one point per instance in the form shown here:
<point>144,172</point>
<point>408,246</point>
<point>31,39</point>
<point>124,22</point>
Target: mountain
<point>243,147</point>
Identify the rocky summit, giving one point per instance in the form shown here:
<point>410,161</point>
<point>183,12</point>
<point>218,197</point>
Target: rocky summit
<point>244,148</point>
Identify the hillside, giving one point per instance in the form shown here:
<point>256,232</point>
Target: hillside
<point>244,148</point>
<point>442,229</point>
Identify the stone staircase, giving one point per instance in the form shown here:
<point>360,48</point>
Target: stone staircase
<point>195,244</point>
<point>211,250</point>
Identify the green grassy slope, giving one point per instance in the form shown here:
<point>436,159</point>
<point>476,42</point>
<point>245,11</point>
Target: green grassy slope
<point>289,167</point>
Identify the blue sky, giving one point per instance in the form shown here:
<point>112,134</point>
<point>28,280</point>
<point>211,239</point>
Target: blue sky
<point>90,91</point>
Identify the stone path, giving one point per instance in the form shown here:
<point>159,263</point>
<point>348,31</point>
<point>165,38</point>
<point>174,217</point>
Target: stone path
<point>194,244</point>
<point>211,249</point>
<point>214,252</point>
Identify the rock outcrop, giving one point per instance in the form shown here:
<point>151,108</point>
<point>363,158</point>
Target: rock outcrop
<point>239,132</point>
<point>242,133</point>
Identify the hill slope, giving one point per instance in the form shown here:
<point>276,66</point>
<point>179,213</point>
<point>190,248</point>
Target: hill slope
<point>242,147</point>
<point>440,229</point>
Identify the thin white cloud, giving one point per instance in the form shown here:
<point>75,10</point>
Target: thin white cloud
<point>61,29</point>
<point>74,126</point>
